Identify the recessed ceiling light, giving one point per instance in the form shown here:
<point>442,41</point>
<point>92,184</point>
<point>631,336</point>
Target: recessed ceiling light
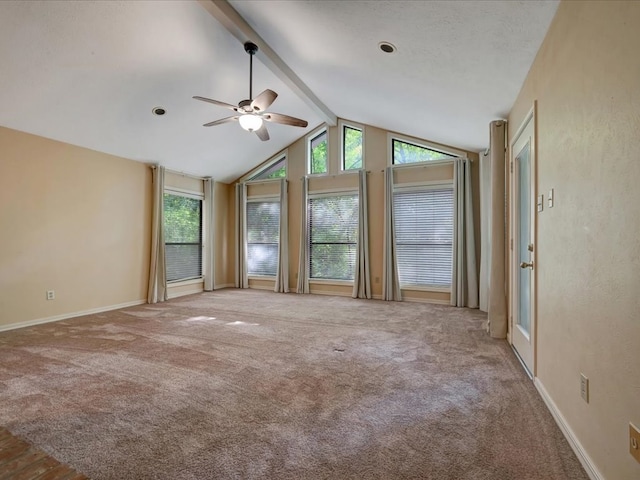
<point>159,111</point>
<point>387,47</point>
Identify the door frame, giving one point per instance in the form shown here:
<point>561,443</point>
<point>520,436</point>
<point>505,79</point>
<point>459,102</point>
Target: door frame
<point>514,265</point>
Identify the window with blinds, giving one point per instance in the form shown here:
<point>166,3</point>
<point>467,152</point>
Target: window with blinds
<point>182,237</point>
<point>333,236</point>
<point>263,236</point>
<point>424,236</point>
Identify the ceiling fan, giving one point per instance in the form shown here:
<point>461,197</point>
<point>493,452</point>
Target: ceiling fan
<point>252,112</point>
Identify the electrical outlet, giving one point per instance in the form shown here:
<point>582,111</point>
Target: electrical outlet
<point>51,295</point>
<point>584,387</point>
<point>634,442</point>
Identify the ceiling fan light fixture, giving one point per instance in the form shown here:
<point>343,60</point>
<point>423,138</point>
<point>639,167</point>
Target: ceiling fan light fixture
<point>250,122</point>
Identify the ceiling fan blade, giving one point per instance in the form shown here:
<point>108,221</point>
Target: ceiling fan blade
<point>285,119</point>
<point>264,100</point>
<point>221,121</point>
<point>263,133</point>
<point>216,102</point>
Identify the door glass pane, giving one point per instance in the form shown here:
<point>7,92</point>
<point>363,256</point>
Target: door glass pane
<point>524,234</point>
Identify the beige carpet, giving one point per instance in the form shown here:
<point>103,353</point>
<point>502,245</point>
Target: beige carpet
<point>240,384</point>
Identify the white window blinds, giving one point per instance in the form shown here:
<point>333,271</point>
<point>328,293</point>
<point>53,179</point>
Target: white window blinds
<point>263,235</point>
<point>182,237</point>
<point>424,236</point>
<point>333,235</point>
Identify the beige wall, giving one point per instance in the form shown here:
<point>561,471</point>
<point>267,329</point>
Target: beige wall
<point>376,159</point>
<point>586,80</point>
<point>72,220</point>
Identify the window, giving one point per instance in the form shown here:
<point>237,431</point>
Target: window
<point>405,152</point>
<point>333,234</point>
<point>424,236</point>
<point>352,153</point>
<point>263,235</point>
<point>317,153</point>
<point>277,169</point>
<point>182,237</point>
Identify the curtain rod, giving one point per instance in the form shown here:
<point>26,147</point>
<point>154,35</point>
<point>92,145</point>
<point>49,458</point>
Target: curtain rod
<point>427,164</point>
<point>175,172</point>
<point>334,175</point>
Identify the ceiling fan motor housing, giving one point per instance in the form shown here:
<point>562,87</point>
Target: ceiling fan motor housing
<point>245,106</point>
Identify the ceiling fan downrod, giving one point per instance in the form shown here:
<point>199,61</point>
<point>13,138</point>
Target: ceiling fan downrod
<point>251,48</point>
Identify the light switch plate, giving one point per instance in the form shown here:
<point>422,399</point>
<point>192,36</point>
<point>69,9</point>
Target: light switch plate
<point>634,442</point>
<point>584,387</point>
<point>550,198</point>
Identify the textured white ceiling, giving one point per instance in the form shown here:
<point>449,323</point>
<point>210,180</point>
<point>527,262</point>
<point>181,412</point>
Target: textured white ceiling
<point>89,73</point>
<point>459,64</point>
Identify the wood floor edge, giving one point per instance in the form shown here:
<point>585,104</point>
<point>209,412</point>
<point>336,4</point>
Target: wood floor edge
<point>21,459</point>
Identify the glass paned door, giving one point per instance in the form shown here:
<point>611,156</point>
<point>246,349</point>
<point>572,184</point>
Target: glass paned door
<point>522,258</point>
<point>523,161</point>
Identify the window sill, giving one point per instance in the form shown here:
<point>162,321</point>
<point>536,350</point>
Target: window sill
<point>180,283</point>
<point>261,277</point>
<point>425,288</point>
<point>327,281</point>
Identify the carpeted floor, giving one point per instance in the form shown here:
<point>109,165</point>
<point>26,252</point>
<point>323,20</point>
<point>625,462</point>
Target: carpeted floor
<point>244,384</point>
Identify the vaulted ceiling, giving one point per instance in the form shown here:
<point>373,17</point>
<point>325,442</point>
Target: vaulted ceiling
<point>90,73</point>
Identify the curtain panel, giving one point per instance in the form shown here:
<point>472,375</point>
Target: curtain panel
<point>390,279</point>
<point>485,228</point>
<point>362,277</point>
<point>464,284</point>
<point>209,223</point>
<point>495,274</point>
<point>157,291</point>
<point>282,274</point>
<point>242,279</point>
<point>303,279</point>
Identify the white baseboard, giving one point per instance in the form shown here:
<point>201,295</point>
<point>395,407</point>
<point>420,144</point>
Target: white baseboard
<point>577,447</point>
<point>262,287</point>
<point>224,285</point>
<point>65,316</point>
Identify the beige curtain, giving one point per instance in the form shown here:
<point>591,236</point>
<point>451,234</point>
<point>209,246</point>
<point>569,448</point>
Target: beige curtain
<point>242,280</point>
<point>390,281</point>
<point>497,290</point>
<point>362,278</point>
<point>209,224</point>
<point>464,285</point>
<point>303,279</point>
<point>282,275</point>
<point>485,228</point>
<point>157,291</point>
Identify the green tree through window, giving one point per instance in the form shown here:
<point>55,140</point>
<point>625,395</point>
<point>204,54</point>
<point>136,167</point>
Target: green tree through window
<point>318,153</point>
<point>352,148</point>
<point>278,169</point>
<point>404,152</point>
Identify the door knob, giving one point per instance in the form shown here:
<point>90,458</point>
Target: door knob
<point>525,265</point>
